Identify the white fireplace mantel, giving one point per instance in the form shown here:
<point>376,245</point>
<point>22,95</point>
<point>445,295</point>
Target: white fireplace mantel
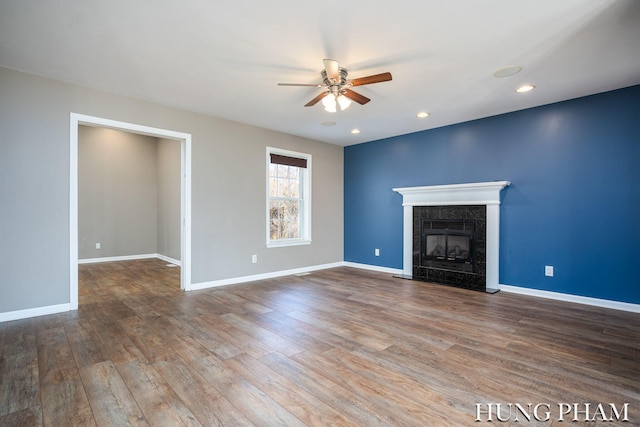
<point>476,193</point>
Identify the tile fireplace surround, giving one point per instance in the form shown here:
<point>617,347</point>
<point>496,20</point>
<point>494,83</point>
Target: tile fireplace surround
<point>477,193</point>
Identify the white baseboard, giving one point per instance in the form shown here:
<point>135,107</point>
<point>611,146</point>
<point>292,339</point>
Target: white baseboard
<point>117,258</point>
<point>169,259</point>
<point>616,305</point>
<point>253,278</point>
<point>128,258</point>
<point>389,270</point>
<point>34,312</point>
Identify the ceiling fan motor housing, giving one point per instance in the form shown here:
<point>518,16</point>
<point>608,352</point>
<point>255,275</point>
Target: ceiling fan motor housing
<point>335,85</point>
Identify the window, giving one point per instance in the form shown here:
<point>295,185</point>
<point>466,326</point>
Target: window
<point>288,198</point>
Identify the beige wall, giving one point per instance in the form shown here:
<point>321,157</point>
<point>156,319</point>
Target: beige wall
<point>168,209</point>
<point>117,193</point>
<point>228,189</point>
<point>128,194</point>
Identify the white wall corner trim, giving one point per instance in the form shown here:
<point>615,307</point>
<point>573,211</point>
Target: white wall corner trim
<point>597,302</point>
<point>263,276</point>
<point>34,312</point>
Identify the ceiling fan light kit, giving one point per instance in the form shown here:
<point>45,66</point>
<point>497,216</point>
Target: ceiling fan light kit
<point>329,103</point>
<point>343,101</point>
<point>337,92</point>
<point>330,100</point>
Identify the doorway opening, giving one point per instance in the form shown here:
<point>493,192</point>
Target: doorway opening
<point>185,193</point>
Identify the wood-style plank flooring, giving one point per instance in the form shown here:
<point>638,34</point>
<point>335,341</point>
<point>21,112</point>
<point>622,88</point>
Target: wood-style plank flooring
<point>335,347</point>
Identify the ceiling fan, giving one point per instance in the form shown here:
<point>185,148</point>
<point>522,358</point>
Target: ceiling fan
<point>337,89</point>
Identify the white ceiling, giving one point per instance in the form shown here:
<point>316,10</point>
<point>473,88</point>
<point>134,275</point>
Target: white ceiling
<point>224,58</point>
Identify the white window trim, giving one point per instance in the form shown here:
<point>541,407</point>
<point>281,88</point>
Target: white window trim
<point>306,191</point>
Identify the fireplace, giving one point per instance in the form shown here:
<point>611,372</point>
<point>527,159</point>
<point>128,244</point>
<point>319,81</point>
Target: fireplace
<point>449,245</point>
<point>451,234</point>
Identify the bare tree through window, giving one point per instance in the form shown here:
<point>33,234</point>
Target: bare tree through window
<point>285,202</point>
<point>288,197</point>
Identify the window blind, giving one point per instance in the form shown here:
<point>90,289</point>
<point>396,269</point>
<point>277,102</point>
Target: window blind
<point>279,159</point>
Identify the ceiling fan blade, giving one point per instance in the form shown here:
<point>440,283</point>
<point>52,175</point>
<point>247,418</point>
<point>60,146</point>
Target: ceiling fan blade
<point>360,99</point>
<point>332,69</point>
<point>315,100</point>
<point>376,78</point>
<point>300,84</point>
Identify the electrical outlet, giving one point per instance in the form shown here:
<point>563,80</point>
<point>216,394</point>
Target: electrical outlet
<point>254,258</point>
<point>97,245</point>
<point>377,252</point>
<point>548,270</point>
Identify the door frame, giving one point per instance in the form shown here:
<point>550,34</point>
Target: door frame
<point>185,193</point>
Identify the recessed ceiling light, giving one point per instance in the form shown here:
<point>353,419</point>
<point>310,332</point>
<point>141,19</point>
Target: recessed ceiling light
<point>507,71</point>
<point>422,115</point>
<point>525,88</point>
<point>355,131</point>
<point>328,124</point>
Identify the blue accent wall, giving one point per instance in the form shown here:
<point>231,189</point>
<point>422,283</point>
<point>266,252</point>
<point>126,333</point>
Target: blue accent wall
<point>573,203</point>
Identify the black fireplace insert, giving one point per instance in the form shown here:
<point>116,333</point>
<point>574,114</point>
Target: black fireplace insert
<point>445,242</point>
<point>449,245</point>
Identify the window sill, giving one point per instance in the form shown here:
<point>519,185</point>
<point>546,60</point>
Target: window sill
<point>285,243</point>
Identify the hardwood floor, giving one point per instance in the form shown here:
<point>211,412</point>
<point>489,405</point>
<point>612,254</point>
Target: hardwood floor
<point>335,347</point>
